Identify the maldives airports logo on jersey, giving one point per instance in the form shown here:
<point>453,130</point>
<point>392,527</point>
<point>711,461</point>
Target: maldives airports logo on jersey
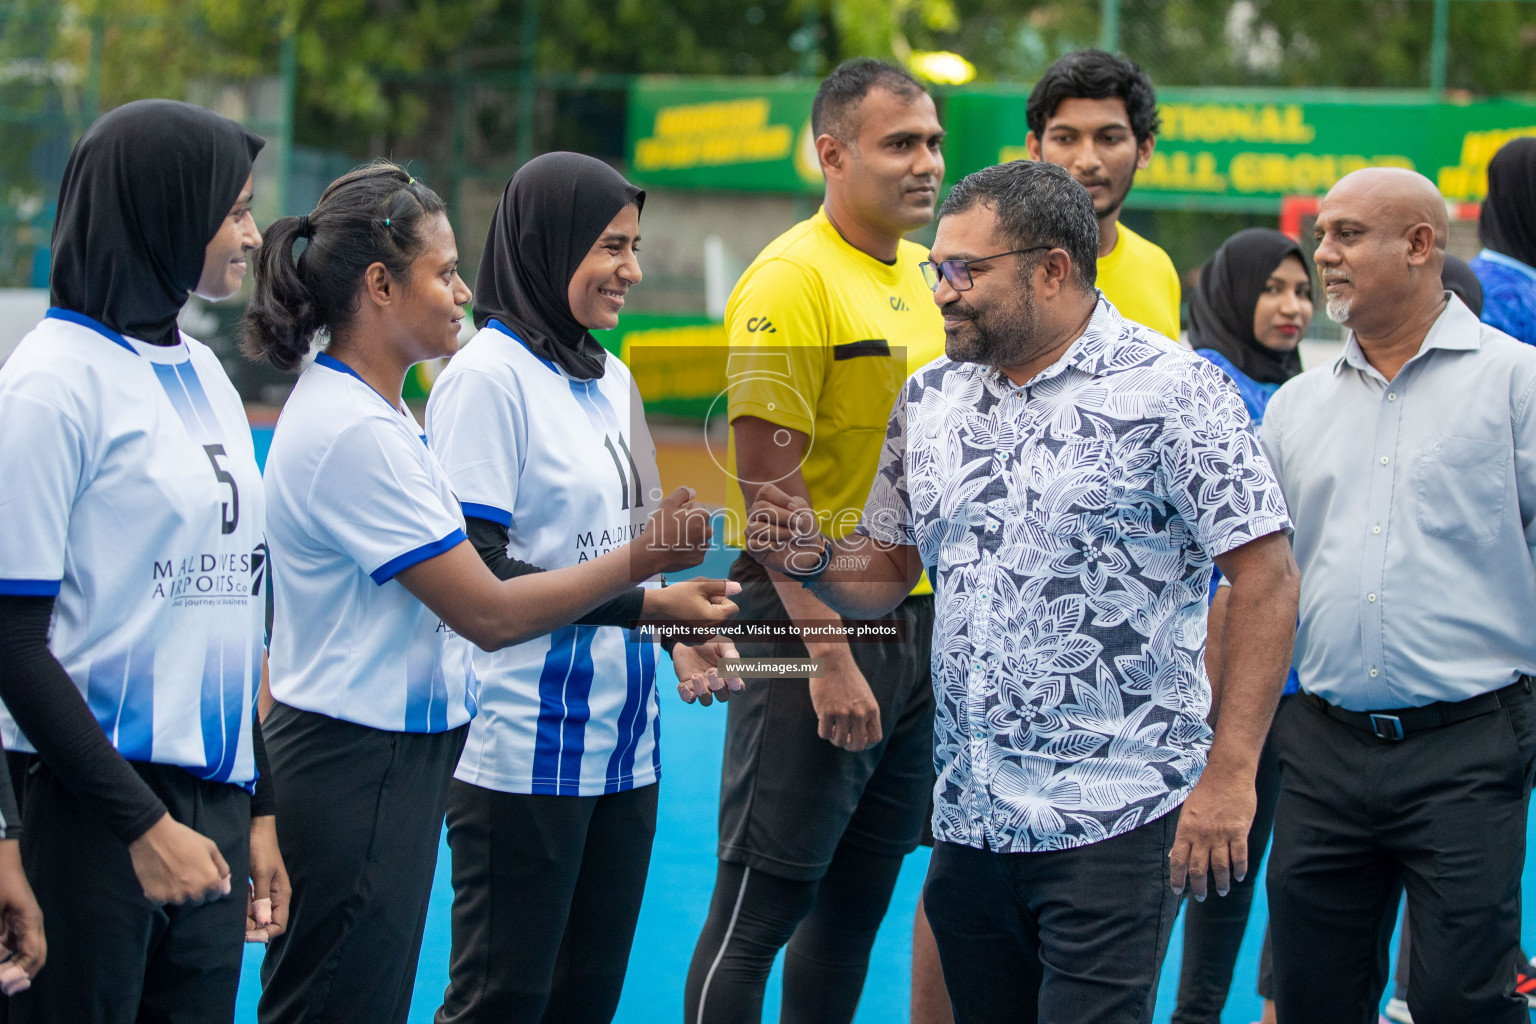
<point>209,576</point>
<point>592,543</point>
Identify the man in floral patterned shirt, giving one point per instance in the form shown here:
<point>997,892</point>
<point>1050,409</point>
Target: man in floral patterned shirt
<point>1067,478</point>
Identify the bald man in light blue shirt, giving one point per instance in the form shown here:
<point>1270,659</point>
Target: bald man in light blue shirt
<point>1409,467</point>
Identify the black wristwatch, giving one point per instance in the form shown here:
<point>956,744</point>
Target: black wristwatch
<point>815,572</point>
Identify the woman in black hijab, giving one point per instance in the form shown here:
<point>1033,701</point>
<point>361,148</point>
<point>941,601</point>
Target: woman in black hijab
<point>552,212</point>
<point>1249,313</point>
<point>1251,310</point>
<point>542,433</point>
<point>132,489</point>
<point>1507,229</point>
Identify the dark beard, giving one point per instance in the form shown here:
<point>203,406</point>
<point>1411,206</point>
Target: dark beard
<point>1001,336</point>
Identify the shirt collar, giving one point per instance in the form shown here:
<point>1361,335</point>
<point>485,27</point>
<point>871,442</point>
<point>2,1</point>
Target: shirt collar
<point>1456,329</point>
<point>1088,353</point>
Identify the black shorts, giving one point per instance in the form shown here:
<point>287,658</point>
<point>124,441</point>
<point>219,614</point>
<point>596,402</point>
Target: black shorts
<point>789,797</point>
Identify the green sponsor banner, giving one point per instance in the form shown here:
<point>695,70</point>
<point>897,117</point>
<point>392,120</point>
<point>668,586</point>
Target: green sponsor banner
<point>1235,149</point>
<point>750,135</point>
<point>1246,150</point>
<point>672,359</point>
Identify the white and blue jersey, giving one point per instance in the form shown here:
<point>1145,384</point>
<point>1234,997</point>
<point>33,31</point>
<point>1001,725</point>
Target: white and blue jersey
<point>568,467</point>
<point>131,495</point>
<point>354,498</point>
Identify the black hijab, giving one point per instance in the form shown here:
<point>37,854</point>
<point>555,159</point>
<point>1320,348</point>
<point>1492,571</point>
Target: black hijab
<point>1508,221</point>
<point>553,209</point>
<point>145,190</point>
<point>1459,279</point>
<point>1221,310</point>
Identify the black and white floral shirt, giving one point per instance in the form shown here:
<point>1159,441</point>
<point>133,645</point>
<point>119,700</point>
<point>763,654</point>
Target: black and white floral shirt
<point>1069,527</point>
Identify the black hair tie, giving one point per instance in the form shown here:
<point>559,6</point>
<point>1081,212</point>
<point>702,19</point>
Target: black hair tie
<point>304,225</point>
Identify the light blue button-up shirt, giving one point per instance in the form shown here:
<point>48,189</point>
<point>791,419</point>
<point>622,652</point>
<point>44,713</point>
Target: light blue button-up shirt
<point>1415,509</point>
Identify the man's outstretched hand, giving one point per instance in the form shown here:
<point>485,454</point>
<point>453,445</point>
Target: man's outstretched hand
<point>782,532</point>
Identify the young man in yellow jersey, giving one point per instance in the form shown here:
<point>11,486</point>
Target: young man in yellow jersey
<point>826,781</point>
<point>1096,115</point>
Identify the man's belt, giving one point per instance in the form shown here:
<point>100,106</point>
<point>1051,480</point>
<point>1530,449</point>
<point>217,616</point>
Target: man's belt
<point>1396,723</point>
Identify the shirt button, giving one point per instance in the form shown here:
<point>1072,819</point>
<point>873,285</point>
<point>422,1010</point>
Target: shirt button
<point>1391,396</point>
<point>1370,597</point>
<point>1375,529</point>
<point>979,734</point>
<point>1373,673</point>
<point>1384,460</point>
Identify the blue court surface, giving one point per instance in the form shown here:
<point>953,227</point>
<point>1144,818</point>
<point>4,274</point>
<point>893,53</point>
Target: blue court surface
<point>682,875</point>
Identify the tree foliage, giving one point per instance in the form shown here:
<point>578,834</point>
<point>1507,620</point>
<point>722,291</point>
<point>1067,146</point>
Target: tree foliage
<point>352,54</point>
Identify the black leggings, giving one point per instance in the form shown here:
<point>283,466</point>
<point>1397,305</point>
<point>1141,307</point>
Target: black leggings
<point>1213,930</point>
<point>546,893</point>
<point>829,925</point>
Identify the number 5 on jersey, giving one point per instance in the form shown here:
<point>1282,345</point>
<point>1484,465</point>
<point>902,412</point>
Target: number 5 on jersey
<point>231,507</point>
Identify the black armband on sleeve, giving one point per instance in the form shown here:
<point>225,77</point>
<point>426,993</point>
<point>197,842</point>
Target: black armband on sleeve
<point>51,712</point>
<point>264,800</point>
<point>490,541</point>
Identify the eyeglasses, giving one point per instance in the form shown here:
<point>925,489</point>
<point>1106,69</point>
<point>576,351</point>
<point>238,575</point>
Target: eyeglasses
<point>958,272</point>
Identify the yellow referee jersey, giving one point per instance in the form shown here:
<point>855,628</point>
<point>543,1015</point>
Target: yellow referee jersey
<point>822,338</point>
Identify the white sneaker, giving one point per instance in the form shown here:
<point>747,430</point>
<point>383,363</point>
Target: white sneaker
<point>1397,1012</point>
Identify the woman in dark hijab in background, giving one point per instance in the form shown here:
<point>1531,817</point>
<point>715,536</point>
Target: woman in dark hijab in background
<point>1507,229</point>
<point>1249,313</point>
<point>129,470</point>
<point>552,810</point>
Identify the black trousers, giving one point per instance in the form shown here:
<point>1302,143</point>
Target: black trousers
<point>1069,935</point>
<point>546,893</point>
<point>1213,930</point>
<point>359,820</point>
<point>1441,812</point>
<point>113,956</point>
<point>788,798</point>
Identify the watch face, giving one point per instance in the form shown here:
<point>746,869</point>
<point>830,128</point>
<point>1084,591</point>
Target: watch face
<point>806,569</point>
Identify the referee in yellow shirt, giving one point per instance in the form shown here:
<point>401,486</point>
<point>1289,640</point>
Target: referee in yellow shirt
<point>826,783</point>
<point>1096,115</point>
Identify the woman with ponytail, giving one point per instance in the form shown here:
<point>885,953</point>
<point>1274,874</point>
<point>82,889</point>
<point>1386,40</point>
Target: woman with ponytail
<point>132,586</point>
<point>379,594</point>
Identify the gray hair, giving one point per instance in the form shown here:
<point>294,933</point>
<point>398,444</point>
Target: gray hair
<point>1036,203</point>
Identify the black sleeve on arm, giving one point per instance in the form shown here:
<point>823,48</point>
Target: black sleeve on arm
<point>49,709</point>
<point>490,540</point>
<point>10,813</point>
<point>264,800</point>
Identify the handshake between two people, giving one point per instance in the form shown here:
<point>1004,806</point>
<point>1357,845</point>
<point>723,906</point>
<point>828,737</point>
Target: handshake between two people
<point>677,538</point>
<point>855,577</point>
<point>783,533</point>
